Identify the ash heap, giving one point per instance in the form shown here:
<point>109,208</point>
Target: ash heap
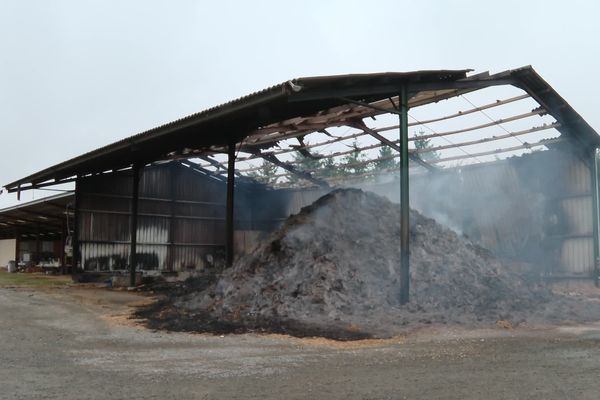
<point>333,270</point>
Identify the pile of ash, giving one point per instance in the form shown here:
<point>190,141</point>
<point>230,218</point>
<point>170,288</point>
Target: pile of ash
<point>333,270</point>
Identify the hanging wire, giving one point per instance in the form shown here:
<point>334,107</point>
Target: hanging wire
<point>491,119</point>
<point>446,139</point>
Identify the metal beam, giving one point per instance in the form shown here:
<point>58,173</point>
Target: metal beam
<point>15,220</point>
<point>63,258</point>
<point>76,231</point>
<point>44,216</point>
<point>229,224</point>
<point>172,208</point>
<point>40,185</point>
<point>335,139</point>
<point>135,188</point>
<point>467,83</point>
<point>404,200</point>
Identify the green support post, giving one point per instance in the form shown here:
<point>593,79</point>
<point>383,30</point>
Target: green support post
<point>404,200</point>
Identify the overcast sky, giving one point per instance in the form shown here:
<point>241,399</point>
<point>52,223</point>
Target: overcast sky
<point>76,75</point>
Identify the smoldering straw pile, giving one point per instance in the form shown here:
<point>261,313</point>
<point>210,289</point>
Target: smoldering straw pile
<point>332,270</point>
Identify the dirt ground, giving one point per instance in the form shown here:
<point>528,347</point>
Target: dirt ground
<point>76,343</point>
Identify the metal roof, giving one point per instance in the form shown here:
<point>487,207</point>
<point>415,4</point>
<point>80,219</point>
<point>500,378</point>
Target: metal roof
<point>276,112</point>
<point>46,216</point>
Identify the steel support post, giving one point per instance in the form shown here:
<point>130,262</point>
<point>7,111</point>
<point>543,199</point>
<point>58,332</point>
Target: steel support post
<point>76,219</point>
<point>229,216</point>
<point>135,186</point>
<point>404,200</point>
<point>63,237</point>
<point>38,245</point>
<point>596,217</point>
<point>173,171</point>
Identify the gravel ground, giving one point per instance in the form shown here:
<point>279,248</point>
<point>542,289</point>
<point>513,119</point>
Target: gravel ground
<point>77,344</point>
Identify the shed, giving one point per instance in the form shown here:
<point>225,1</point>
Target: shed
<point>273,123</point>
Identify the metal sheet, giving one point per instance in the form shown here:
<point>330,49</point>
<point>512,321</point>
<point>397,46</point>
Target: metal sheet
<point>577,256</point>
<point>195,213</point>
<point>577,212</point>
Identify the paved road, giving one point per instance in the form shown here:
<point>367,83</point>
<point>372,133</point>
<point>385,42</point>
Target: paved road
<point>54,346</point>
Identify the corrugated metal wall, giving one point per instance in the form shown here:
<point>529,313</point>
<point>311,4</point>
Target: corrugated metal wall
<point>577,251</point>
<point>535,208</point>
<point>181,219</point>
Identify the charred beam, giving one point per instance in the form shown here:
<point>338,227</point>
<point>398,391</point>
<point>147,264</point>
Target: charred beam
<point>302,149</point>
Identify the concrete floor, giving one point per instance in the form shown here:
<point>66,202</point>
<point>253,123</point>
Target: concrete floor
<point>78,344</point>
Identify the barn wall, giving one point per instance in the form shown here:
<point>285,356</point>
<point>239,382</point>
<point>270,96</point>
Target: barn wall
<point>536,208</point>
<point>181,220</point>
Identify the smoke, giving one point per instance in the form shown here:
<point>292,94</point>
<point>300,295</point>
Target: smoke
<point>514,207</point>
<point>525,208</point>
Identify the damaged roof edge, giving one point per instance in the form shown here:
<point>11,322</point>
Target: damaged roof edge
<point>254,101</point>
<point>572,123</point>
<point>274,102</point>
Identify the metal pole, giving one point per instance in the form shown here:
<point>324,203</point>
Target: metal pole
<point>404,199</point>
<point>76,219</point>
<point>173,171</point>
<point>229,216</point>
<point>63,236</point>
<point>134,216</point>
<point>38,245</point>
<point>596,216</point>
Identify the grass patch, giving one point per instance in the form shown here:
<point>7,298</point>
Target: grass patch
<point>32,280</point>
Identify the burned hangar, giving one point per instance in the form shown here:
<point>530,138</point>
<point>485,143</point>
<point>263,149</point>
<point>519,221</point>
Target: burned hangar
<point>185,195</point>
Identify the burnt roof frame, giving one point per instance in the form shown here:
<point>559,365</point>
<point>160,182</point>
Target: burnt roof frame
<point>219,125</point>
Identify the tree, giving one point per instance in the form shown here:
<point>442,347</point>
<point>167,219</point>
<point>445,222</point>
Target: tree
<point>387,160</point>
<point>303,163</point>
<point>330,168</point>
<point>423,143</point>
<point>266,173</point>
<point>349,162</point>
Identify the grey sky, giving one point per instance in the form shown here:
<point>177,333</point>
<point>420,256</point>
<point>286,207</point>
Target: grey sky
<point>76,75</point>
